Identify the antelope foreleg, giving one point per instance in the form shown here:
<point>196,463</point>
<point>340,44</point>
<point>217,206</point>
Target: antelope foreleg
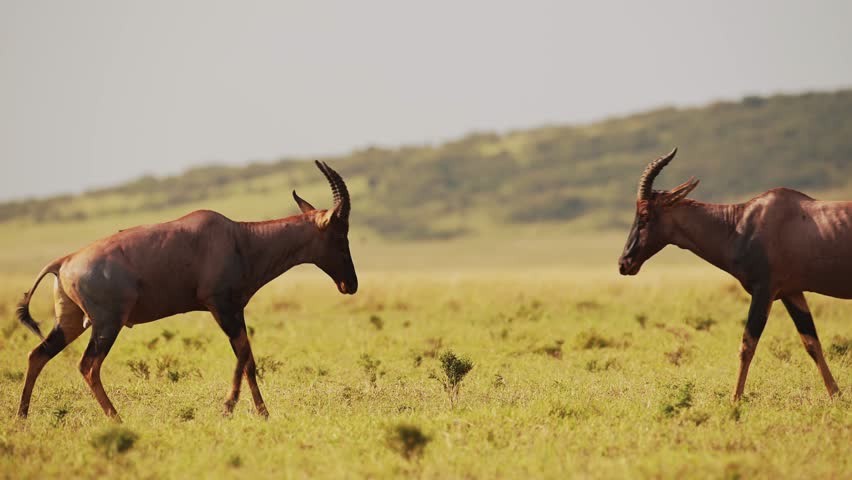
<point>758,312</point>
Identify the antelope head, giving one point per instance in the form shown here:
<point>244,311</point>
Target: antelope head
<point>331,246</point>
<point>651,226</point>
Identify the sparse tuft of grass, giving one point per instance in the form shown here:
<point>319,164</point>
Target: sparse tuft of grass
<point>736,412</point>
<point>595,365</point>
<point>780,350</point>
<point>165,364</point>
<point>193,343</point>
<point>681,400</point>
<point>840,346</point>
<point>114,440</point>
<point>370,366</point>
<point>701,323</point>
<point>377,322</point>
<point>9,328</point>
<point>678,356</point>
<point>12,376</point>
<point>186,414</point>
<point>592,339</point>
<point>267,365</point>
<point>554,350</point>
<point>140,368</point>
<point>433,347</point>
<point>59,414</point>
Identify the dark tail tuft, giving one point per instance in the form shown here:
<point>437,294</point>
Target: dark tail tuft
<point>23,314</point>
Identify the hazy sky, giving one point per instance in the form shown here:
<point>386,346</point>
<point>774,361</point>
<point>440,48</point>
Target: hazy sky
<point>95,92</point>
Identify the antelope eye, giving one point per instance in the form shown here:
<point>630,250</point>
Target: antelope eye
<point>641,223</point>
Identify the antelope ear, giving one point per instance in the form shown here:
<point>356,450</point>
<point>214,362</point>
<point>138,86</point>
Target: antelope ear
<point>304,206</point>
<point>679,192</point>
<point>324,220</point>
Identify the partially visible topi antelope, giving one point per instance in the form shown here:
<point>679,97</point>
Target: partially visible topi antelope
<point>777,245</point>
<point>200,262</point>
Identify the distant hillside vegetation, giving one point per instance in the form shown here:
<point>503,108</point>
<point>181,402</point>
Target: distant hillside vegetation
<point>549,174</point>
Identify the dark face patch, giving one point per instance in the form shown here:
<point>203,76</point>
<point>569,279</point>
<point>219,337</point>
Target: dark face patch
<point>642,241</point>
<point>337,260</point>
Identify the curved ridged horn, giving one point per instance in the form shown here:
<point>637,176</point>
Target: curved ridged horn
<point>338,189</point>
<point>646,181</point>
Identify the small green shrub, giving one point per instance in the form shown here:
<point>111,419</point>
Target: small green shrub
<point>453,369</point>
<point>407,440</point>
<point>377,322</point>
<point>59,414</point>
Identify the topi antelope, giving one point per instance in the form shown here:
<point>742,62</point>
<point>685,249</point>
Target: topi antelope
<point>777,245</point>
<point>202,261</point>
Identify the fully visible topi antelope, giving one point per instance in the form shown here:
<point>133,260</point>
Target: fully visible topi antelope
<point>777,245</point>
<point>203,261</point>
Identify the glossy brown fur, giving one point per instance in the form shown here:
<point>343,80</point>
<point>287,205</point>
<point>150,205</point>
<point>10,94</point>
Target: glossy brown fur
<point>202,261</point>
<point>777,245</point>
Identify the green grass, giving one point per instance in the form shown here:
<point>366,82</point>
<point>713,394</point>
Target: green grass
<point>612,404</point>
<point>577,372</point>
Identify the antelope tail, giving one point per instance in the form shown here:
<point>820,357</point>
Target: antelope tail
<point>23,310</point>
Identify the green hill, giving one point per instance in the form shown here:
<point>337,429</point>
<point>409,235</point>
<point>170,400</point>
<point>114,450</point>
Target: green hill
<point>583,174</point>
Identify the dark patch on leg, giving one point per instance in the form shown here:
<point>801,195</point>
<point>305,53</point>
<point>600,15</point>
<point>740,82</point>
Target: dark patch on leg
<point>803,319</point>
<point>797,307</point>
<point>758,313</point>
<point>54,343</point>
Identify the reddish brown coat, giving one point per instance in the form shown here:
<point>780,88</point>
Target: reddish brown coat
<point>202,261</point>
<point>777,245</point>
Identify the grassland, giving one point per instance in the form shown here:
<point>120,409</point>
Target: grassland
<point>500,248</point>
<point>577,373</point>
